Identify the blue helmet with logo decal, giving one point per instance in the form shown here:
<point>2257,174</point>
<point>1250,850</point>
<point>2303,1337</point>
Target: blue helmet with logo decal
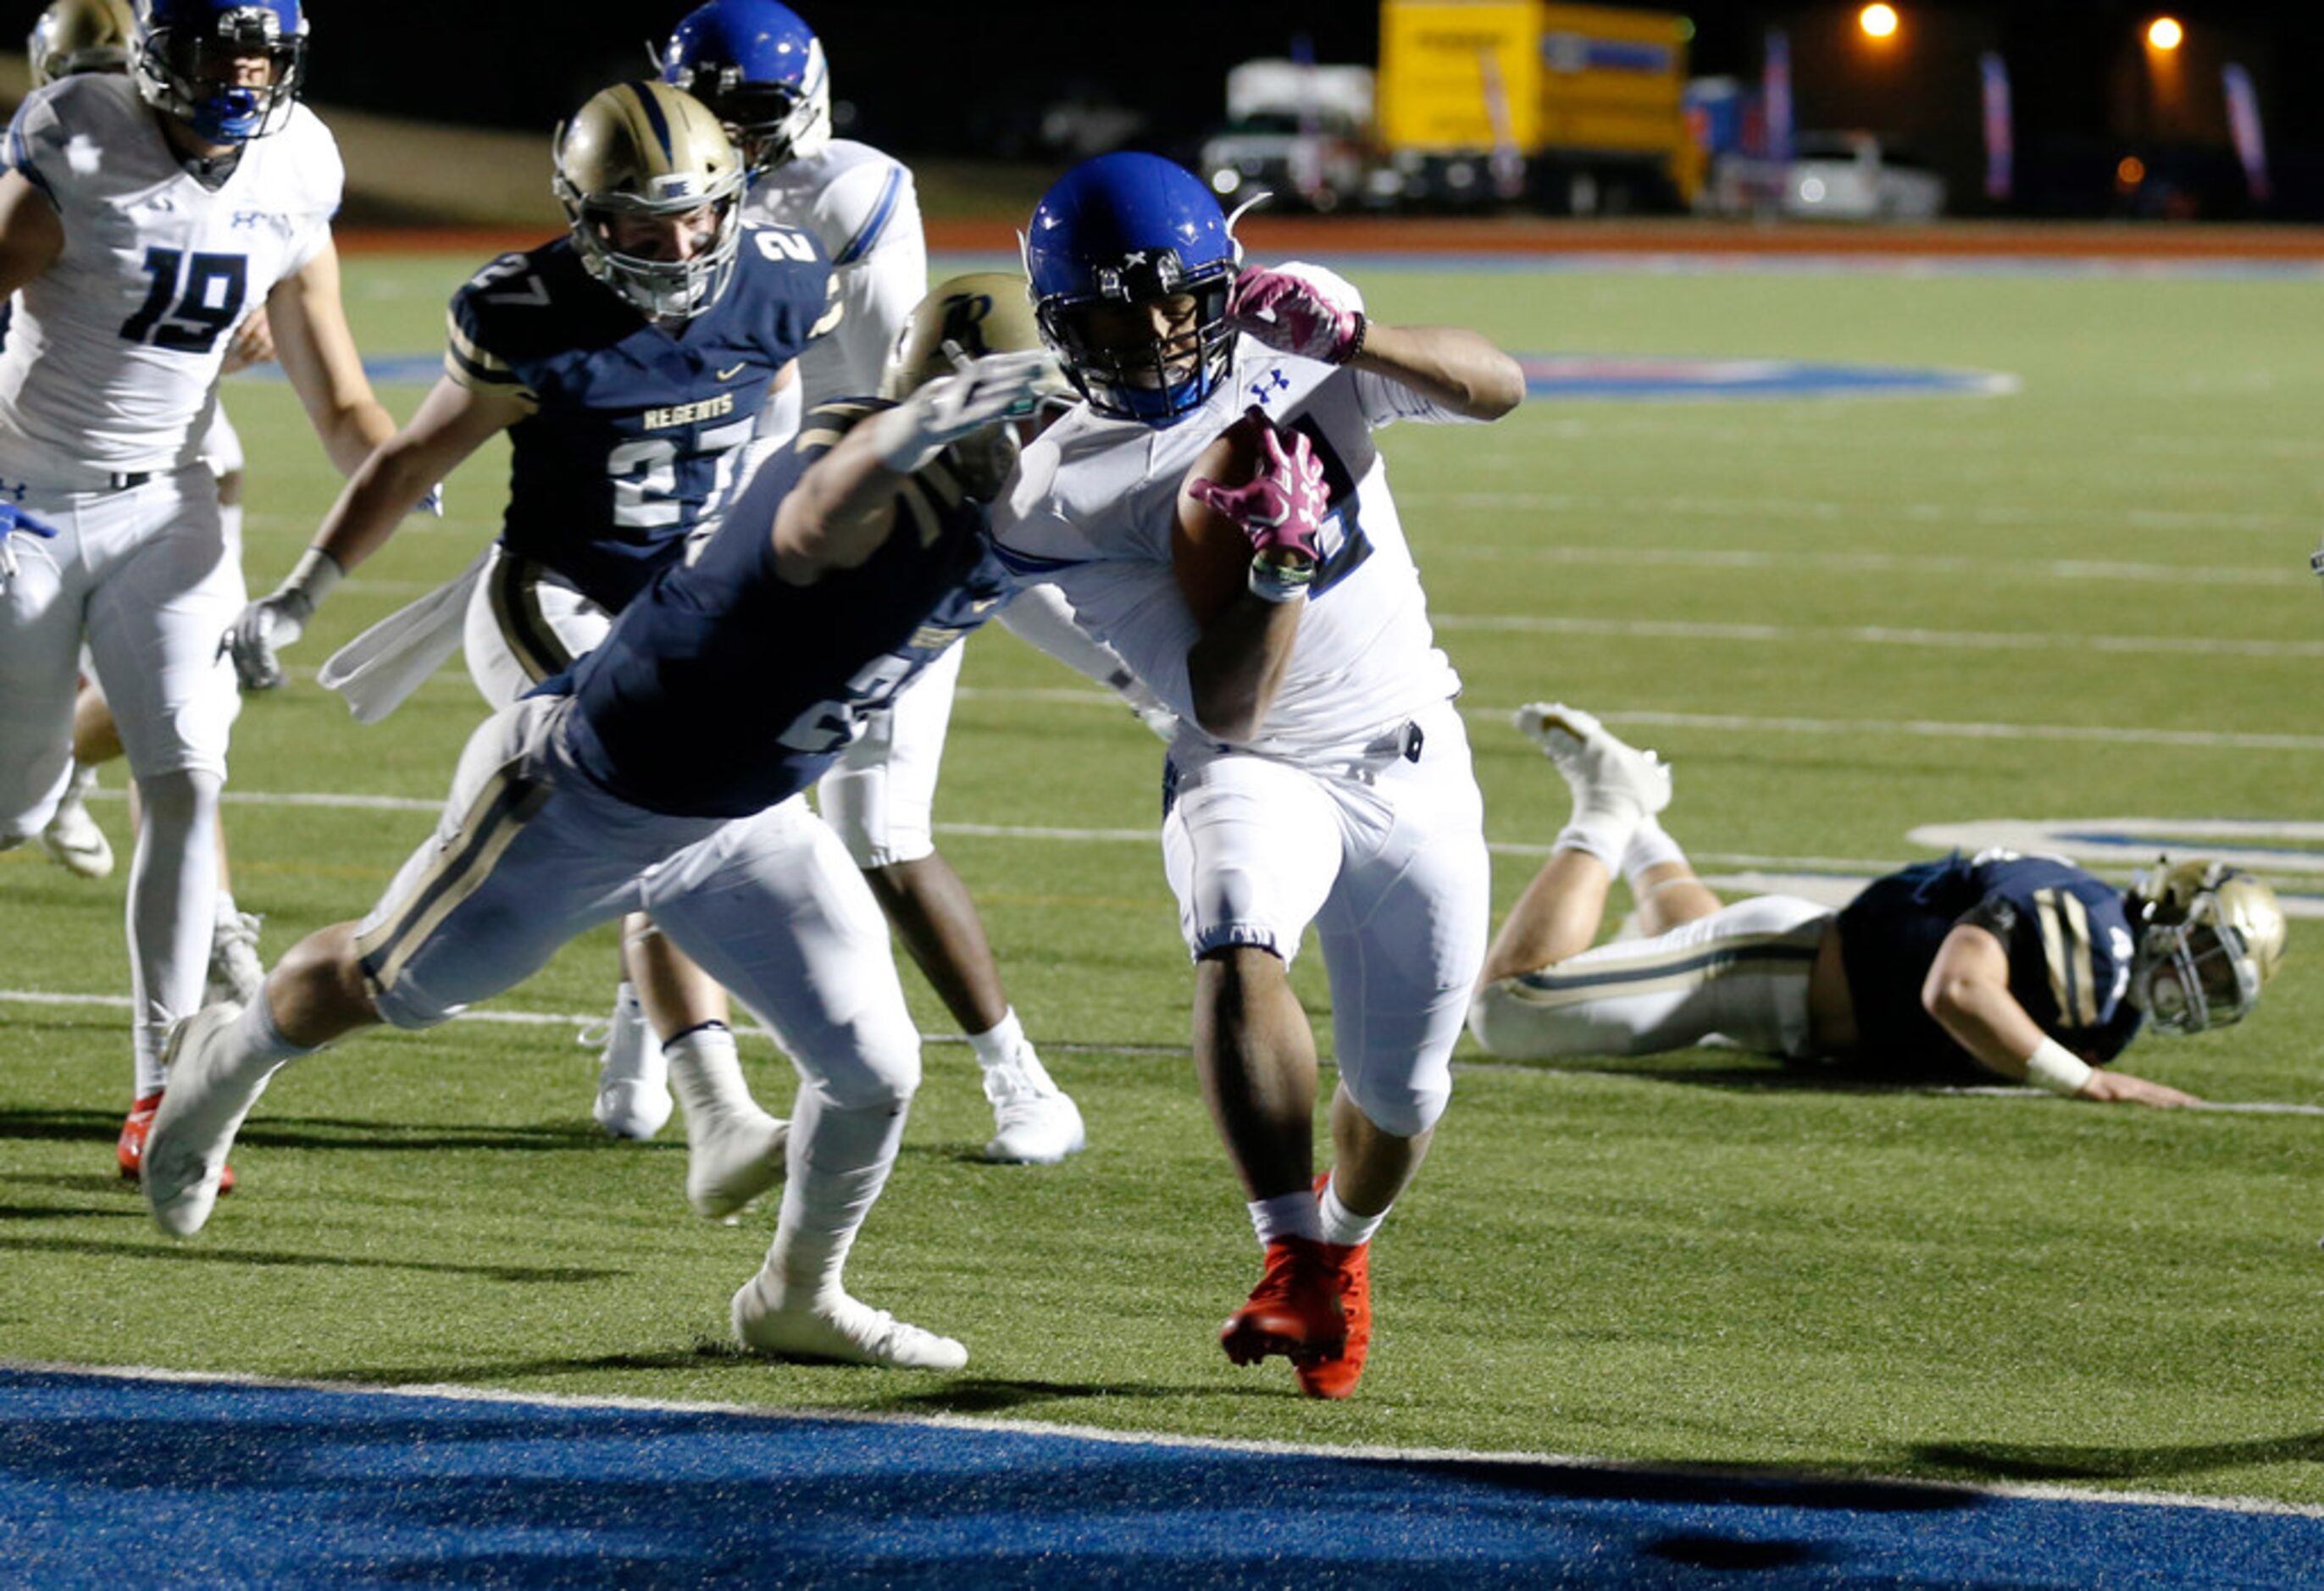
<point>230,69</point>
<point>760,70</point>
<point>1130,262</point>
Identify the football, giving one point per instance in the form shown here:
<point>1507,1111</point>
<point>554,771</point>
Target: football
<point>1232,459</point>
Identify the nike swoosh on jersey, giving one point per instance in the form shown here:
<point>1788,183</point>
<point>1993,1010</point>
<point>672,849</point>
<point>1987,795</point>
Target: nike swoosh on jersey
<point>731,371</point>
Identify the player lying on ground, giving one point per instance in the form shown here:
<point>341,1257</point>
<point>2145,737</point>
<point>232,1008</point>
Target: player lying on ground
<point>849,562</point>
<point>1961,970</point>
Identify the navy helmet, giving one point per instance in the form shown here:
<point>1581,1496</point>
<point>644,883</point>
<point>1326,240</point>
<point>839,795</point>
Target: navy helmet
<point>183,61</point>
<point>1129,230</point>
<point>760,70</point>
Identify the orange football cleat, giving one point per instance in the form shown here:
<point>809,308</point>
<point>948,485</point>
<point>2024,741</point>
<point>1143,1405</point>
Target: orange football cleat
<point>1337,1377</point>
<point>1294,1310</point>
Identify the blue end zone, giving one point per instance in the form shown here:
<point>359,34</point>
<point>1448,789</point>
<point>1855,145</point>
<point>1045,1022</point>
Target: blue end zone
<point>1604,376</point>
<point>106,1480</point>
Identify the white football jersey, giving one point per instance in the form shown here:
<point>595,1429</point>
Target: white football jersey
<point>1096,501</point>
<point>112,359</point>
<point>861,205</point>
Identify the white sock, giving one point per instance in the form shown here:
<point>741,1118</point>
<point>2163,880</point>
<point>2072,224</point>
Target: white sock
<point>258,1040</point>
<point>172,881</point>
<point>1603,834</point>
<point>1287,1215</point>
<point>998,1043</point>
<point>839,1162</point>
<point>1650,847</point>
<point>705,1073</point>
<point>1342,1225</point>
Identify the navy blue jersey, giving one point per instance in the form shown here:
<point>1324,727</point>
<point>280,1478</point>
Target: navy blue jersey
<point>721,689</point>
<point>630,422</point>
<point>2069,940</point>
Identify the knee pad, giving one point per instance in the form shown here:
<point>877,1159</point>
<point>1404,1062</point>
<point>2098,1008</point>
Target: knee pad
<point>185,795</point>
<point>1404,1110</point>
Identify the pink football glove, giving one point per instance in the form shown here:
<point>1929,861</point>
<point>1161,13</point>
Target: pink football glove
<point>1292,315</point>
<point>1283,507</point>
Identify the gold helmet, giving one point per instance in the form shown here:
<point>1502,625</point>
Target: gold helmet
<point>962,318</point>
<point>645,150</point>
<point>76,36</point>
<point>2210,936</point>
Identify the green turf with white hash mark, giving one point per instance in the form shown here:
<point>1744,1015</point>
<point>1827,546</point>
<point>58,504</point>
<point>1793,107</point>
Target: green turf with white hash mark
<point>1683,1260</point>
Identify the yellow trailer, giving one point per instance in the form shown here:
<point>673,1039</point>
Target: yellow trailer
<point>1572,102</point>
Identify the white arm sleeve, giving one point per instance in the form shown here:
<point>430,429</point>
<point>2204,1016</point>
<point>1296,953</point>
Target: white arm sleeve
<point>1041,616</point>
<point>882,274</point>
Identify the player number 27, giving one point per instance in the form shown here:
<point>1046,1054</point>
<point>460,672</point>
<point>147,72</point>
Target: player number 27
<point>193,299</point>
<point>645,472</point>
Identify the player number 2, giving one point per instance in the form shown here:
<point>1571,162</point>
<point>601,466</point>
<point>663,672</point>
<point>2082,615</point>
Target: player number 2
<point>200,297</point>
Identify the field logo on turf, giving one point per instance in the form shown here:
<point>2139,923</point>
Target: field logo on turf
<point>1666,381</point>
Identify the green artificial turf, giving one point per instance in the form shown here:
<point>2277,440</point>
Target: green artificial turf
<point>1808,605</point>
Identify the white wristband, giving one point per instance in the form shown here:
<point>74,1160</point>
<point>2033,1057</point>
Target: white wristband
<point>312,577</point>
<point>2056,1068</point>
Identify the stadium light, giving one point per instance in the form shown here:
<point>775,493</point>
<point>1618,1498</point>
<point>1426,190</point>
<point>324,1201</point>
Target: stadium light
<point>2165,34</point>
<point>1878,21</point>
<point>2129,173</point>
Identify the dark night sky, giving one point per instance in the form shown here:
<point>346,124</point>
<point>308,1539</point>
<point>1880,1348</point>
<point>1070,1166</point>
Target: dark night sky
<point>965,79</point>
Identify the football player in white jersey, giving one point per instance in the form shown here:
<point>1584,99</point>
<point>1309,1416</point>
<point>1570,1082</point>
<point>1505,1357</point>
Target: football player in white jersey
<point>71,37</point>
<point>761,69</point>
<point>143,219</point>
<point>1321,774</point>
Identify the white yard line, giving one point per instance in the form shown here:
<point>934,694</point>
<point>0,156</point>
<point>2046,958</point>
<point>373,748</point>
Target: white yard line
<point>1821,508</point>
<point>2077,571</point>
<point>1878,635</point>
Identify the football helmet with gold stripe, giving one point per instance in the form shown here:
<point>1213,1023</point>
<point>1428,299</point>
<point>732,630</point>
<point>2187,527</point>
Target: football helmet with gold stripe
<point>653,190</point>
<point>962,320</point>
<point>2210,937</point>
<point>76,36</point>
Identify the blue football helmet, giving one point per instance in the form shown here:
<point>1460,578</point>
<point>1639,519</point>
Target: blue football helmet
<point>183,61</point>
<point>761,72</point>
<point>1126,231</point>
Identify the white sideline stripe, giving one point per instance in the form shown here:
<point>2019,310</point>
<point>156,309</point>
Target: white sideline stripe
<point>29,997</point>
<point>577,1020</point>
<point>1938,729</point>
<point>1918,513</point>
<point>1881,636</point>
<point>1089,1433</point>
<point>1919,729</point>
<point>2079,570</point>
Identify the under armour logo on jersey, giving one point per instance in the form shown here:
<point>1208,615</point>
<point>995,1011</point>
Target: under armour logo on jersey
<point>1269,385</point>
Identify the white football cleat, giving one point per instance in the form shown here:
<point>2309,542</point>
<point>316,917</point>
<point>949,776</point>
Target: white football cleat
<point>202,1108</point>
<point>72,839</point>
<point>1034,1121</point>
<point>838,1328</point>
<point>632,1075</point>
<point>236,972</point>
<point>733,1157</point>
<point>1595,761</point>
